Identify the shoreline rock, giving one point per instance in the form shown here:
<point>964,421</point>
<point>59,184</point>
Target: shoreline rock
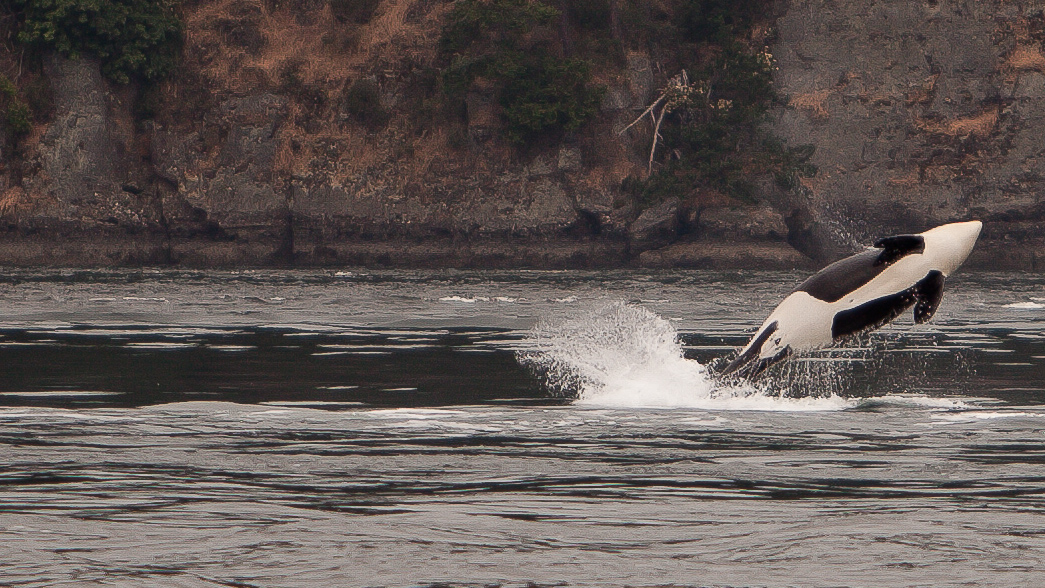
<point>88,250</point>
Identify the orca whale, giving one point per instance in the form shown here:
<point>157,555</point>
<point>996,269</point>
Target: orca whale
<point>860,293</point>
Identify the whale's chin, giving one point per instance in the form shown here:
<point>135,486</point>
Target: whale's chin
<point>950,245</point>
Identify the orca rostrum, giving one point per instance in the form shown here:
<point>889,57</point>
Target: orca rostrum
<point>860,293</point>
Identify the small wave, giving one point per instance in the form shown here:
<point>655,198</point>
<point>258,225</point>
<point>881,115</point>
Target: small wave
<point>620,355</point>
<point>986,415</point>
<point>1025,305</point>
<point>474,299</point>
<point>464,299</point>
<point>311,403</point>
<point>914,401</point>
<point>160,345</point>
<point>50,414</point>
<point>414,413</point>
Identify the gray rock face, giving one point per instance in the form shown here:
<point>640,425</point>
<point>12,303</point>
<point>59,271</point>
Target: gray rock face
<point>761,223</point>
<point>227,172</point>
<point>921,113</point>
<point>640,79</point>
<point>515,205</point>
<point>655,227</point>
<point>85,155</point>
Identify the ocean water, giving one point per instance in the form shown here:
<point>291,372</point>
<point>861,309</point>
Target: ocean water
<point>357,428</point>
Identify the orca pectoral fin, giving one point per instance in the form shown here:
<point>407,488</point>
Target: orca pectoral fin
<point>929,292</point>
<point>895,247</point>
<point>871,315</point>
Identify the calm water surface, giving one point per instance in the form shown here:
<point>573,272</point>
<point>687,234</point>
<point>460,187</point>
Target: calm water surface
<point>525,428</point>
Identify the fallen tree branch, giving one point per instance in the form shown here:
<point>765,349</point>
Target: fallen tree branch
<point>648,111</point>
<point>676,93</point>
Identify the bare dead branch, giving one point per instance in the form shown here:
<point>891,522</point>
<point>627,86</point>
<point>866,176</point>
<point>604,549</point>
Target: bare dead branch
<point>648,111</point>
<point>677,92</point>
<point>656,137</point>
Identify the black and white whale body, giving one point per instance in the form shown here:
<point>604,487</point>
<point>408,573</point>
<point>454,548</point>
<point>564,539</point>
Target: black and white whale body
<point>860,293</point>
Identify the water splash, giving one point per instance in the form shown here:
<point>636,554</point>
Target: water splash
<point>626,356</point>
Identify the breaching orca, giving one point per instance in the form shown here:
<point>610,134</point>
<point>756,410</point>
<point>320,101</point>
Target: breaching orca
<point>860,293</point>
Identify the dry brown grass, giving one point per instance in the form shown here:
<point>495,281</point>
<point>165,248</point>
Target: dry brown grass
<point>980,125</point>
<point>429,147</point>
<point>908,180</point>
<point>940,174</point>
<point>13,201</point>
<point>923,94</point>
<point>814,102</point>
<point>1026,58</point>
<point>323,56</point>
<point>387,26</point>
<point>329,52</point>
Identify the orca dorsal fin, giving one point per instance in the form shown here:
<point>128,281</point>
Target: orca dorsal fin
<point>928,292</point>
<point>897,246</point>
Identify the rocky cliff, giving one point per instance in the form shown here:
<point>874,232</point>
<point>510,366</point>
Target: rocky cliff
<point>922,113</point>
<point>257,151</point>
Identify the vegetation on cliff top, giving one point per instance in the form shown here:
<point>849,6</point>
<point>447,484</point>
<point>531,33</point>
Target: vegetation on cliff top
<point>707,133</point>
<point>536,60</point>
<point>134,39</point>
<point>16,115</point>
<point>512,44</point>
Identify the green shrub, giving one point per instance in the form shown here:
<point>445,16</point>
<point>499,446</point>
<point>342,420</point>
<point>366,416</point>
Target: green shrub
<point>541,94</point>
<point>511,43</point>
<point>590,15</point>
<point>362,100</point>
<point>710,135</point>
<point>790,164</point>
<point>7,87</point>
<point>494,23</point>
<point>40,97</point>
<point>132,38</point>
<point>717,21</point>
<point>19,119</point>
<point>354,11</point>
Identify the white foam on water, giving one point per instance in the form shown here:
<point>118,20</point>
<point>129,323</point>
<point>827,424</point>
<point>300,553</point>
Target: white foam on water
<point>621,355</point>
<point>916,401</point>
<point>413,413</point>
<point>159,345</point>
<point>48,414</point>
<point>1025,305</point>
<point>985,415</point>
<point>464,299</point>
